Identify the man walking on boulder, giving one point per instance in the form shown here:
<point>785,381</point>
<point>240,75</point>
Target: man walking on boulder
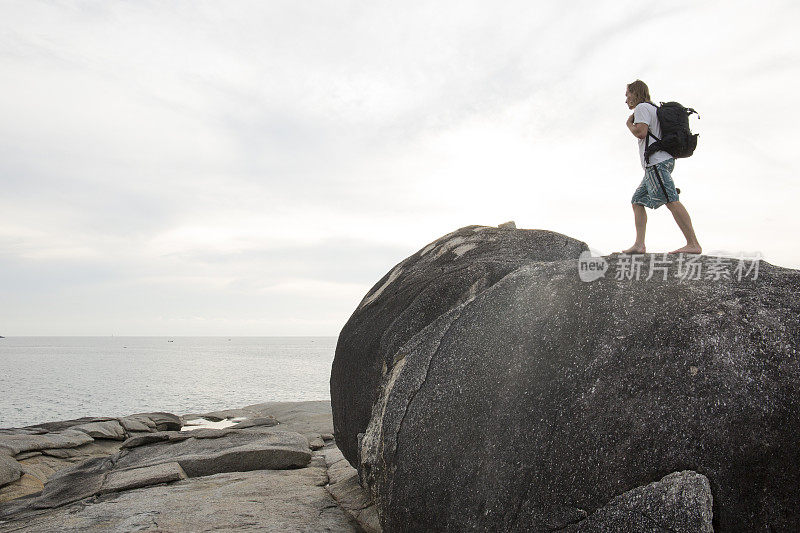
<point>657,187</point>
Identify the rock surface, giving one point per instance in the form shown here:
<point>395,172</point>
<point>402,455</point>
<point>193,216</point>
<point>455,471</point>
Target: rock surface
<point>68,438</point>
<point>198,480</point>
<point>111,429</point>
<point>263,500</point>
<point>234,451</point>
<point>196,454</point>
<point>679,503</point>
<point>9,470</point>
<point>264,421</point>
<point>524,399</point>
<point>344,486</point>
<point>134,478</point>
<point>415,293</point>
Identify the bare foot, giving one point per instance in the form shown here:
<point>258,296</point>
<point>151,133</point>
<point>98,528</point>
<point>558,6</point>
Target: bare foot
<point>688,249</point>
<point>634,250</point>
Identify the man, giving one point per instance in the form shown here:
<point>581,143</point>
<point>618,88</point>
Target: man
<point>657,187</point>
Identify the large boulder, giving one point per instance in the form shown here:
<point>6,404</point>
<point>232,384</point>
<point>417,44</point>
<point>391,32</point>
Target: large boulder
<point>417,291</point>
<point>531,401</point>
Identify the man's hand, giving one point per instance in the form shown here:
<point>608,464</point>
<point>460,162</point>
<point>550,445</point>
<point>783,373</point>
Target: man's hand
<point>638,130</point>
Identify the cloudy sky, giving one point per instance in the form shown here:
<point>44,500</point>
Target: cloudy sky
<point>252,168</point>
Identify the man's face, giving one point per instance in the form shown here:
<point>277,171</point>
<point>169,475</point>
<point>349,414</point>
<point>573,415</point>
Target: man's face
<point>629,99</point>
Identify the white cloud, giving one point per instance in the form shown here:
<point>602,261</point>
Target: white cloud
<point>216,160</point>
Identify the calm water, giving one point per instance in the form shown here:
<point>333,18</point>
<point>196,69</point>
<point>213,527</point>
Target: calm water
<point>44,379</point>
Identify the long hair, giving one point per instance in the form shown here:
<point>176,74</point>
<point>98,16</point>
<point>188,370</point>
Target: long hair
<point>639,91</point>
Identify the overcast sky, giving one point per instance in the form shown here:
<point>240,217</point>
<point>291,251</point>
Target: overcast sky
<point>253,168</point>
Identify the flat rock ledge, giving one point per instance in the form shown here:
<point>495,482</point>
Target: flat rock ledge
<point>275,467</point>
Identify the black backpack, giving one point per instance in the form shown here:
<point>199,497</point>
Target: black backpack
<point>676,137</point>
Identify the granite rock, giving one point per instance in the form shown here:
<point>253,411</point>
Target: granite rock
<point>158,436</point>
<point>130,424</point>
<point>159,421</point>
<point>240,451</point>
<point>417,291</point>
<point>10,470</point>
<point>19,443</point>
<point>256,422</point>
<point>680,502</point>
<point>262,500</point>
<point>39,467</point>
<point>344,486</point>
<point>110,429</point>
<point>55,427</point>
<point>311,418</point>
<point>529,400</point>
<point>134,478</point>
<point>236,451</point>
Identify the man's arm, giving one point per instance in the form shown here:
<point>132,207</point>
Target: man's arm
<point>639,130</point>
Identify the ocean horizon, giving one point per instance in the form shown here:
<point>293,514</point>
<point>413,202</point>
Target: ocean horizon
<point>47,379</point>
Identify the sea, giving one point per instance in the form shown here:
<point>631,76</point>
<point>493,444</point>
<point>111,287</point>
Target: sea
<point>47,379</point>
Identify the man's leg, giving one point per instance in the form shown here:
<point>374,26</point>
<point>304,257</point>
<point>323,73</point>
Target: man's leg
<point>681,216</point>
<point>640,220</point>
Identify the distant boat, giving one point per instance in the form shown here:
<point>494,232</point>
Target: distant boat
<point>1,337</point>
<point>170,340</point>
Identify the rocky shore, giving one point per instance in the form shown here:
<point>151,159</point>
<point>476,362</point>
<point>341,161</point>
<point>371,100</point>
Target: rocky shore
<point>275,467</point>
<point>483,384</point>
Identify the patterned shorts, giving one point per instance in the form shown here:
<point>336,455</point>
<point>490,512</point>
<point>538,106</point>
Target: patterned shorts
<point>654,192</point>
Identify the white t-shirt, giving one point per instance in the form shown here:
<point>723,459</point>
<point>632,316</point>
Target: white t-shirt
<point>645,113</point>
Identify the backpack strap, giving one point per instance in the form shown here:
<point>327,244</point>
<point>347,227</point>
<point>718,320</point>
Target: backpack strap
<point>647,139</point>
